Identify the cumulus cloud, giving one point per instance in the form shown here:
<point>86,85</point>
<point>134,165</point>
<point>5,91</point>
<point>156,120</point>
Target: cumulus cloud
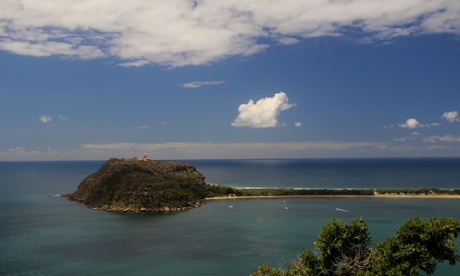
<point>264,113</point>
<point>183,32</point>
<point>451,116</point>
<point>197,84</point>
<point>45,119</point>
<point>298,124</point>
<point>413,123</point>
<point>410,123</point>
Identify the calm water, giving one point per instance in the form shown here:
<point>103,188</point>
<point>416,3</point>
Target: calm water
<point>43,234</point>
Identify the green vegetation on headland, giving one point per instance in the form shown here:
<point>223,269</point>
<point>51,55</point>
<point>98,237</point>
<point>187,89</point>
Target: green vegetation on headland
<point>416,249</point>
<point>145,186</point>
<point>137,185</point>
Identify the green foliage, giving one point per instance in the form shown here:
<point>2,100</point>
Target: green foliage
<point>418,246</point>
<point>345,192</point>
<point>420,191</point>
<point>304,192</point>
<point>344,249</point>
<point>343,246</point>
<point>147,185</point>
<point>266,270</point>
<point>214,191</point>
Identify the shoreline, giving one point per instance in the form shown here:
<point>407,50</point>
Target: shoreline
<point>335,196</point>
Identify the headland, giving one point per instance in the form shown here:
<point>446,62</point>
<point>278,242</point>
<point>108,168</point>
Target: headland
<point>144,185</point>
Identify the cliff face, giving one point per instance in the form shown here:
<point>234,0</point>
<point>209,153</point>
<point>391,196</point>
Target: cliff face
<point>143,186</point>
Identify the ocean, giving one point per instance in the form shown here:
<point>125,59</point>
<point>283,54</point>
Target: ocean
<point>42,233</point>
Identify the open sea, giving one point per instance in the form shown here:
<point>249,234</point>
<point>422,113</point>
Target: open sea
<point>44,234</point>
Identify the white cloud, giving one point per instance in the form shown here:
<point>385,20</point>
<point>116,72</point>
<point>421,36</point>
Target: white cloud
<point>288,40</point>
<point>298,124</point>
<point>264,113</point>
<point>410,123</point>
<point>451,116</point>
<point>413,123</point>
<point>136,63</point>
<point>45,119</point>
<point>197,84</point>
<point>183,32</point>
<point>445,139</point>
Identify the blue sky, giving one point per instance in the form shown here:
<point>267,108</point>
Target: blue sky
<point>84,80</point>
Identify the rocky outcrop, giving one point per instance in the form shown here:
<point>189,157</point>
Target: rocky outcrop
<point>143,186</point>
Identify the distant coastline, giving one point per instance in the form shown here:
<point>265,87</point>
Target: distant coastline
<point>271,193</point>
<point>334,196</point>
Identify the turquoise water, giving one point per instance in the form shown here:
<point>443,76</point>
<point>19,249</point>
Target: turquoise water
<point>43,234</point>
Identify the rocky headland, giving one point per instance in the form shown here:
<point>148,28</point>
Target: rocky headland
<point>131,185</point>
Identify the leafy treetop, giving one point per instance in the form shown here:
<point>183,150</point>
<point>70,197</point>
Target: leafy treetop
<point>417,247</point>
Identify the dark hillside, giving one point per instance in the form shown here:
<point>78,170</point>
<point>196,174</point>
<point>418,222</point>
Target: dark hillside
<point>147,186</point>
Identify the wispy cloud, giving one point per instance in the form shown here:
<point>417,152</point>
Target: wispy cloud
<point>140,32</point>
<point>228,150</point>
<point>45,119</point>
<point>445,139</point>
<point>264,113</point>
<point>403,139</point>
<point>197,84</point>
<point>62,117</point>
<point>212,150</point>
<point>136,63</point>
<point>141,127</point>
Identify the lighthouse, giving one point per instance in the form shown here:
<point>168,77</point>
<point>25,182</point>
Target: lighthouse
<point>145,158</point>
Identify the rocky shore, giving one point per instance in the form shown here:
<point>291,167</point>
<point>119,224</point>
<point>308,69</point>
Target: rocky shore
<point>145,210</point>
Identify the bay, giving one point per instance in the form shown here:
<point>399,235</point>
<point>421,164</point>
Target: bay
<point>42,233</point>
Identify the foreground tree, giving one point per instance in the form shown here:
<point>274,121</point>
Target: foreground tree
<point>344,249</point>
<point>418,246</point>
